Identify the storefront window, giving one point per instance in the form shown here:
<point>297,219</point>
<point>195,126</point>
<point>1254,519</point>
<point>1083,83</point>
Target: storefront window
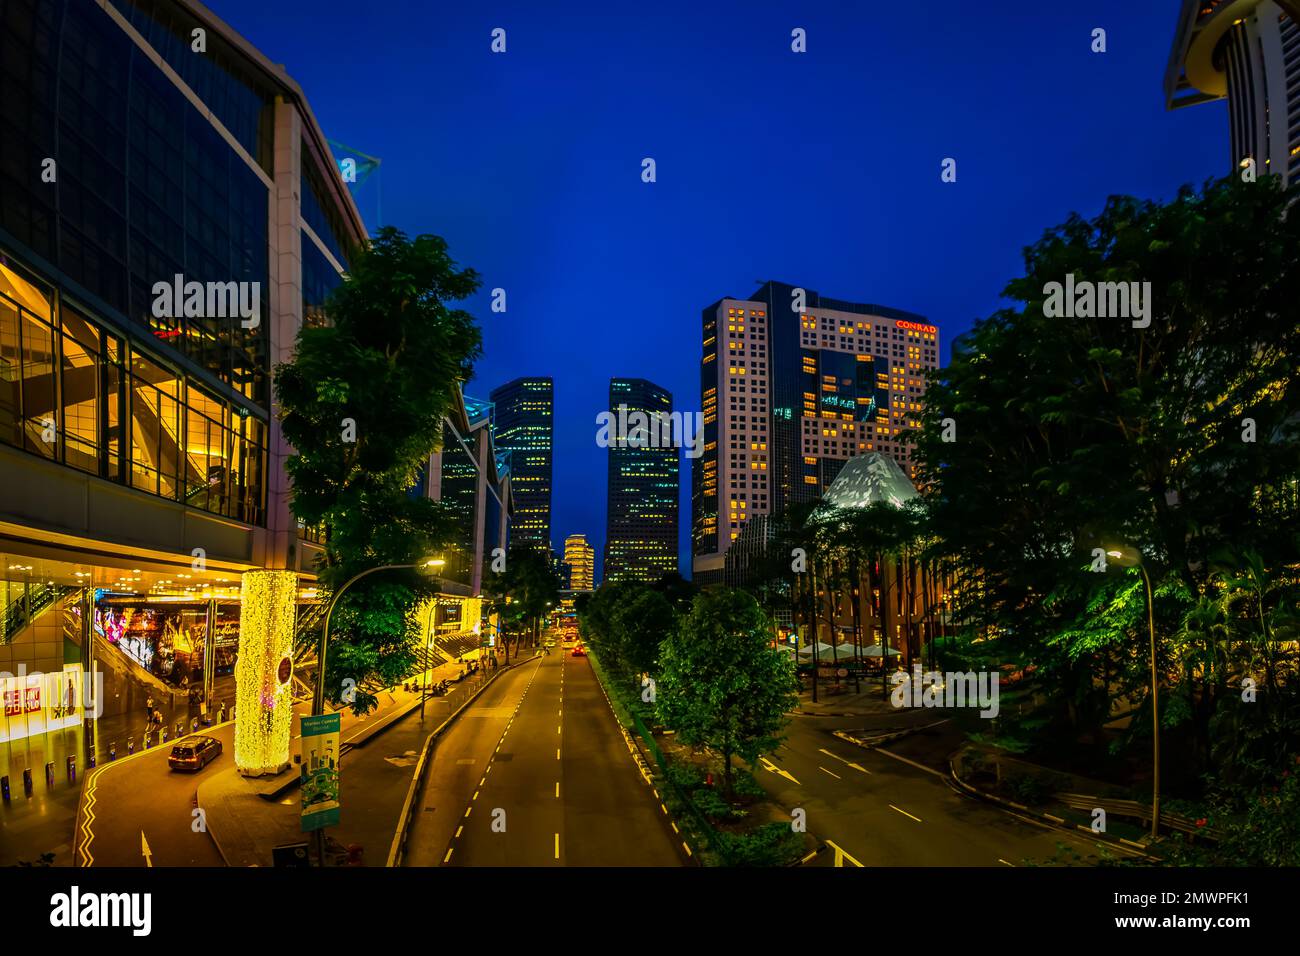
<point>72,391</point>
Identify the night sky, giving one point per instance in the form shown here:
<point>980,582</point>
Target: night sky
<point>819,169</point>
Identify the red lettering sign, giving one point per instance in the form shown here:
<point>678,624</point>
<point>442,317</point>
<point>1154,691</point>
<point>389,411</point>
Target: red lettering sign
<point>33,699</point>
<point>916,326</point>
<point>13,703</point>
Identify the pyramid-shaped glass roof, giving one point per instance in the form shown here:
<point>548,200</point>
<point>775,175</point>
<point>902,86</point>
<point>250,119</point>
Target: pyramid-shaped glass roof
<point>868,479</point>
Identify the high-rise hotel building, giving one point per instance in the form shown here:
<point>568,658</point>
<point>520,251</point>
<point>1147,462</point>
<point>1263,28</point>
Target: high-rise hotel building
<point>793,384</point>
<point>523,416</point>
<point>641,502</point>
<point>580,558</point>
<point>1247,51</point>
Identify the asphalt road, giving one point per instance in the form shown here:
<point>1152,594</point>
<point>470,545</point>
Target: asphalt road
<point>883,811</point>
<point>139,799</point>
<point>538,774</point>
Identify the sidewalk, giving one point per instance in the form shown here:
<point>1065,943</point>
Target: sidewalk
<point>248,816</point>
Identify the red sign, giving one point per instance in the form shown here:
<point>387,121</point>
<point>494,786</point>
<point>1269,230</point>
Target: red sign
<point>286,670</point>
<point>916,326</point>
<point>22,701</point>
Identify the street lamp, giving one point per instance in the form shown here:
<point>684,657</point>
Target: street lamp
<point>1127,556</point>
<point>318,699</point>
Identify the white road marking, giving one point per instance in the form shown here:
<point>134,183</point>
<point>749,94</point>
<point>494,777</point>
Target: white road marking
<point>842,760</point>
<point>906,814</point>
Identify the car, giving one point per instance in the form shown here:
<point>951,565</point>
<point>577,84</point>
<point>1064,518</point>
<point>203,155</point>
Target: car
<point>194,753</point>
<point>579,651</point>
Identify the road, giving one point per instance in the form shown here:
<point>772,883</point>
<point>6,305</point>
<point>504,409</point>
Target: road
<point>536,773</point>
<point>883,810</point>
<point>138,798</point>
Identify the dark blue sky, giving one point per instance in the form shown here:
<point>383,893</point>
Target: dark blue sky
<point>820,169</point>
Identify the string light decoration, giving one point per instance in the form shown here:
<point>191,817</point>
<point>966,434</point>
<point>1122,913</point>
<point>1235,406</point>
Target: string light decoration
<point>263,689</point>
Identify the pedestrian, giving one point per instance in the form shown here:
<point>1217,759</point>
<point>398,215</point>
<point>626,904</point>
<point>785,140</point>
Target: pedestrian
<point>148,705</point>
<point>158,717</point>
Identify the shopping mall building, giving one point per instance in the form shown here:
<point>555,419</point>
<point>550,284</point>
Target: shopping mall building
<point>146,149</point>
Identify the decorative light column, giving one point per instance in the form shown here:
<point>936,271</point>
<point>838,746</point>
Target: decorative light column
<point>263,691</point>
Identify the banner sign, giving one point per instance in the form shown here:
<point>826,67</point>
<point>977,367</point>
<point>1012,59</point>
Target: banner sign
<point>320,771</point>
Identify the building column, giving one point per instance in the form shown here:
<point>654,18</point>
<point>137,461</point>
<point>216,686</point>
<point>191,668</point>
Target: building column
<point>263,689</point>
<point>280,539</point>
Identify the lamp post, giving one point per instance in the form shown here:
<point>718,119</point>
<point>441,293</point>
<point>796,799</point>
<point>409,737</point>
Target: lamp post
<point>318,698</point>
<point>1127,556</point>
<point>426,680</point>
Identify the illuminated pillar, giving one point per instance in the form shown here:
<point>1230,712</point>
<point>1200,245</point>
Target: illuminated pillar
<point>263,692</point>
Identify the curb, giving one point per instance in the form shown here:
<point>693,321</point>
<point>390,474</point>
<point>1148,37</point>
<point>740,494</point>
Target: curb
<point>1043,818</point>
<point>888,738</point>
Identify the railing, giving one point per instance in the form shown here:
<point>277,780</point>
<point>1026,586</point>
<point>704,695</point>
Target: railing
<point>29,605</point>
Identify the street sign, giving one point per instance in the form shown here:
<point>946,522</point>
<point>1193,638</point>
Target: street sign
<point>320,771</point>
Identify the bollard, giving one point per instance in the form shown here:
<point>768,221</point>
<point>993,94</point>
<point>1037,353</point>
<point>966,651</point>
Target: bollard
<point>112,750</point>
<point>49,774</point>
<point>27,781</point>
<point>130,745</point>
<point>72,768</point>
<point>90,760</point>
<point>148,740</point>
<point>163,735</point>
<point>194,725</point>
<point>180,727</point>
<point>4,787</point>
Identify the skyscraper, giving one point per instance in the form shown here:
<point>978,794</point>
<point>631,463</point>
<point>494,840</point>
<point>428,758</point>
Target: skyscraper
<point>1247,51</point>
<point>522,420</point>
<point>641,510</point>
<point>803,383</point>
<point>581,560</point>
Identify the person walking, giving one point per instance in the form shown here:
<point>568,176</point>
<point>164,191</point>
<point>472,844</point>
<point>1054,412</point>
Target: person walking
<point>148,706</point>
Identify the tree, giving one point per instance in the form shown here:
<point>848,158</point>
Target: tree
<point>1179,435</point>
<point>642,621</point>
<point>721,684</point>
<point>533,589</point>
<point>362,403</point>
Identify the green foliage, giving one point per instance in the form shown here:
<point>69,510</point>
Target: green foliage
<point>1082,433</point>
<point>773,844</point>
<point>529,582</point>
<point>391,360</point>
<point>746,787</point>
<point>710,803</point>
<point>720,684</point>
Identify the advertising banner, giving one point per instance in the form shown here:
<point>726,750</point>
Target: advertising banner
<point>320,771</point>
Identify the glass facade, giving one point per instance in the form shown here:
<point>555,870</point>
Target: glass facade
<point>145,188</point>
<point>522,422</point>
<point>319,279</point>
<point>234,95</point>
<point>327,225</point>
<point>641,507</point>
<point>459,494</point>
<point>73,391</point>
